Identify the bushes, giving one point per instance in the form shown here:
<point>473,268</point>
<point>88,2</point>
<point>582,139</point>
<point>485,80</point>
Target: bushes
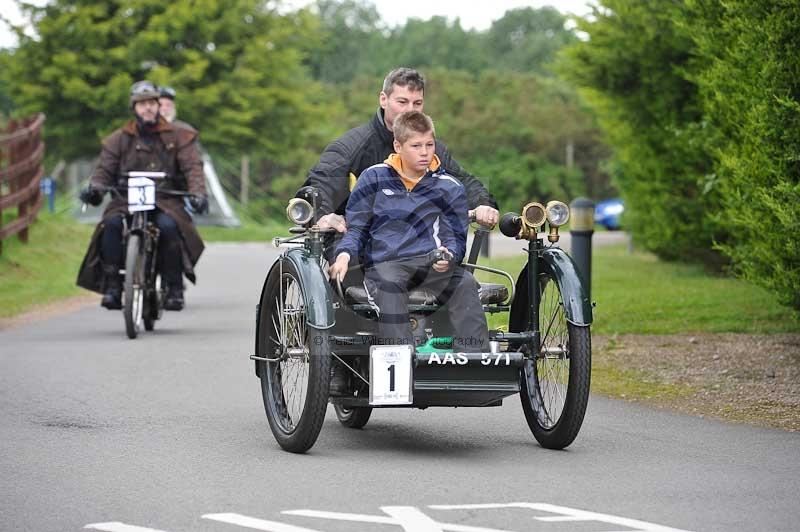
<point>634,72</point>
<point>700,102</point>
<point>751,91</point>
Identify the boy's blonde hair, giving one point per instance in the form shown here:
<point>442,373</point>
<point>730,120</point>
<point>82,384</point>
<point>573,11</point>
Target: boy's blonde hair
<point>410,122</point>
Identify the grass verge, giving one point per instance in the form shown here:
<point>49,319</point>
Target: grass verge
<point>638,294</point>
<point>45,269</point>
<point>673,336</point>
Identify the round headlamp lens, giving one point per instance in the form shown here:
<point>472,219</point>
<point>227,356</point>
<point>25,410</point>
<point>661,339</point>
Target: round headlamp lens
<point>533,214</point>
<point>299,211</point>
<point>557,213</point>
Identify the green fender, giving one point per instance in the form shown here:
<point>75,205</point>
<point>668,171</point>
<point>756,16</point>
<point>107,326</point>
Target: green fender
<point>316,290</point>
<point>577,307</point>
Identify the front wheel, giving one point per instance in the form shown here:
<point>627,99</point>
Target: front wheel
<point>296,377</point>
<point>354,418</point>
<point>134,286</point>
<point>555,384</point>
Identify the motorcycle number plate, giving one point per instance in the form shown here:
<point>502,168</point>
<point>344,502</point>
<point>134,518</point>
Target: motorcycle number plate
<point>390,375</point>
<point>141,194</point>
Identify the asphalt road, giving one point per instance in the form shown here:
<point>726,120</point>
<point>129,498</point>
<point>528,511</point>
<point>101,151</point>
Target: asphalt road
<point>168,433</point>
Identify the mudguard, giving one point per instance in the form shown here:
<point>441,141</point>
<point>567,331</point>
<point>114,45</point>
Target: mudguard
<point>316,291</point>
<point>577,307</point>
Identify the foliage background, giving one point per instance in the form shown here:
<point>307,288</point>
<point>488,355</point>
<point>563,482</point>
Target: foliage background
<point>690,109</point>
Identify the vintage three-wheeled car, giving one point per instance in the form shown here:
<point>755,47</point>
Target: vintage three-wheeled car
<point>305,320</point>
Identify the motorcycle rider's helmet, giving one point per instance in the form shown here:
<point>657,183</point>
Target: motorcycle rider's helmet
<point>166,92</point>
<point>142,91</point>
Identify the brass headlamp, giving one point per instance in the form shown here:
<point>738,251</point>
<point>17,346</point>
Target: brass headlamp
<point>299,211</point>
<point>534,215</point>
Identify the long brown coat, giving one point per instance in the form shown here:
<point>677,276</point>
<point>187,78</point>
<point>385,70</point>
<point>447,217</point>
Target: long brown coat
<point>172,150</point>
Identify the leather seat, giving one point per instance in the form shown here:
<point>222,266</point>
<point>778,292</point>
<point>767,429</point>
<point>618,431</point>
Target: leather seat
<point>489,293</point>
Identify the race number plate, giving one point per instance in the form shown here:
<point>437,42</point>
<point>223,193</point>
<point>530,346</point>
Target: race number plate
<point>141,194</point>
<point>390,375</point>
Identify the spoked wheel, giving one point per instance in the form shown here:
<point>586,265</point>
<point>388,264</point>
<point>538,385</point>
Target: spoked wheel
<point>353,418</point>
<point>134,286</point>
<point>295,381</point>
<point>555,386</point>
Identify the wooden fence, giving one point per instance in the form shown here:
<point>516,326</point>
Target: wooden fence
<point>21,155</point>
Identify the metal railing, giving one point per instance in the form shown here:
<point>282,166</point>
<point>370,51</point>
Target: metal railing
<point>21,156</point>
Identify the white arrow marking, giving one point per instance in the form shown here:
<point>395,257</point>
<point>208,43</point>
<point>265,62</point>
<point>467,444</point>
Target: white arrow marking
<point>257,524</point>
<point>119,527</point>
<point>411,519</point>
<point>567,514</point>
<point>362,518</point>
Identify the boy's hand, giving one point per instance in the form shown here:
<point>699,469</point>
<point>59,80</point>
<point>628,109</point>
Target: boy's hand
<point>442,266</point>
<point>485,215</point>
<point>339,268</point>
<point>332,221</point>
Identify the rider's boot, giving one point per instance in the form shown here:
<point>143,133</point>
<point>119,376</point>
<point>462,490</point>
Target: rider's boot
<point>112,298</point>
<point>338,378</point>
<point>174,300</point>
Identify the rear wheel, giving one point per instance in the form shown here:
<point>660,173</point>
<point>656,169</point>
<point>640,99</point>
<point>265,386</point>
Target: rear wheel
<point>555,386</point>
<point>353,418</point>
<point>295,380</point>
<point>134,286</point>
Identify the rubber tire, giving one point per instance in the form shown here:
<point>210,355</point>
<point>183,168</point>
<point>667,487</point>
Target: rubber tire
<point>566,429</point>
<point>151,311</point>
<point>307,428</point>
<point>134,268</point>
<point>353,418</point>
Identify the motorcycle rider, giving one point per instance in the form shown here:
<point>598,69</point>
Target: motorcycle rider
<point>168,108</point>
<point>146,143</point>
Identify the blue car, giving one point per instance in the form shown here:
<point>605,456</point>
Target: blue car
<point>607,213</point>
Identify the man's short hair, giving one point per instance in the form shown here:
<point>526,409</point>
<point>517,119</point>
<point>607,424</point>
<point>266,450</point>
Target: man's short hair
<point>410,122</point>
<point>403,77</point>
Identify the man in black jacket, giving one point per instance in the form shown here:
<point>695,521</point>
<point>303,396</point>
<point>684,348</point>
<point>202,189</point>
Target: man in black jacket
<point>371,143</point>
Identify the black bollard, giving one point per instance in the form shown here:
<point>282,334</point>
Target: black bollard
<point>581,231</point>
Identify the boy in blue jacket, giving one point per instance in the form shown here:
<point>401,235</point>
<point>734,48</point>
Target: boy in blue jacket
<point>398,213</point>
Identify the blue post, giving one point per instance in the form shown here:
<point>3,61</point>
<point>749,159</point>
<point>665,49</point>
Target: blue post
<point>48,187</point>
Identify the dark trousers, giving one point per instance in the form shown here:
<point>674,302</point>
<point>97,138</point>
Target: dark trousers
<point>388,284</point>
<point>169,246</point>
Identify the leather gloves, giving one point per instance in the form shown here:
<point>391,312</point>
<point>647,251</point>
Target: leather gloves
<point>91,195</point>
<point>199,204</point>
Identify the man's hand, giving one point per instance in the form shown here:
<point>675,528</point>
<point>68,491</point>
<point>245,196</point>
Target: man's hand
<point>91,195</point>
<point>485,215</point>
<point>332,221</point>
<point>442,266</point>
<point>199,204</point>
<point>339,268</point>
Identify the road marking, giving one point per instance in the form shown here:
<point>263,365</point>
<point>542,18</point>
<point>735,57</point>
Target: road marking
<point>567,514</point>
<point>407,525</point>
<point>411,519</point>
<point>257,524</point>
<point>120,527</point>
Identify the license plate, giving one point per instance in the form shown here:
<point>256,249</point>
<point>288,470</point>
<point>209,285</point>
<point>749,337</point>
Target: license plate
<point>390,375</point>
<point>141,194</point>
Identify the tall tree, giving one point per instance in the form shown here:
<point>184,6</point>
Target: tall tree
<point>352,34</point>
<point>637,70</point>
<point>237,65</point>
<point>527,39</point>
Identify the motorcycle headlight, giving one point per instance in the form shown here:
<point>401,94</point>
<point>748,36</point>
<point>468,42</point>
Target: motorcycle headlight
<point>533,215</point>
<point>557,213</point>
<point>299,211</point>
